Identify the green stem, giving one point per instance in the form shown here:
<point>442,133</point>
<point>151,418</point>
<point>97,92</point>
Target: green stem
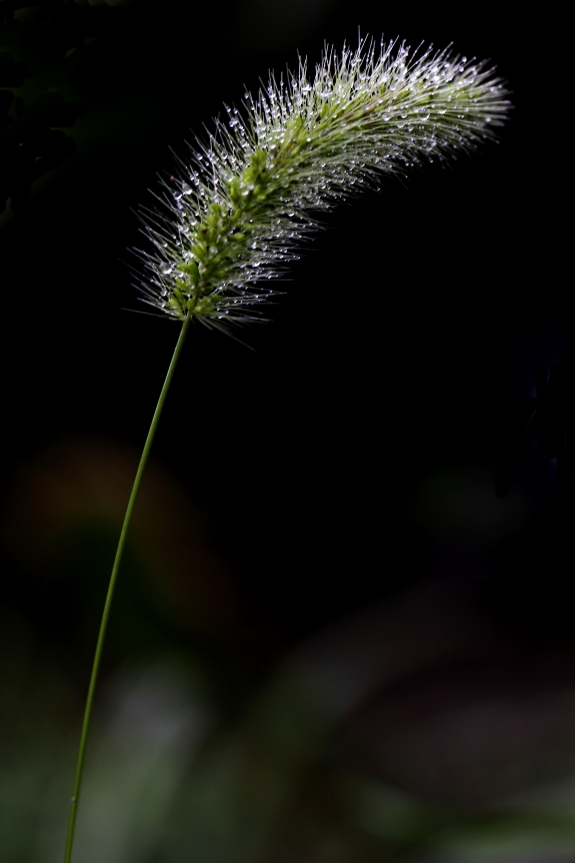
<point>110,594</point>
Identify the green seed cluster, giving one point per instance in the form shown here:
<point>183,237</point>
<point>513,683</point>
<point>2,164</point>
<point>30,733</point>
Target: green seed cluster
<point>241,205</point>
<point>220,241</point>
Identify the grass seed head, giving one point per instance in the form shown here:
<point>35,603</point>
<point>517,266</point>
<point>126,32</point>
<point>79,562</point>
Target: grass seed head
<point>243,202</point>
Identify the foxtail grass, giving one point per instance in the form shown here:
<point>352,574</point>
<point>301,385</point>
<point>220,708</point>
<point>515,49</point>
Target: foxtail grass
<point>237,210</point>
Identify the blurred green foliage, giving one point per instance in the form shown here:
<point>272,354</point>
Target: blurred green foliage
<point>406,731</point>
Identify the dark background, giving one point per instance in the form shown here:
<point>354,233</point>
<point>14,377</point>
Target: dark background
<point>350,452</point>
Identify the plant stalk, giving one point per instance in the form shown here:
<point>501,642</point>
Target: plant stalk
<point>110,594</point>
